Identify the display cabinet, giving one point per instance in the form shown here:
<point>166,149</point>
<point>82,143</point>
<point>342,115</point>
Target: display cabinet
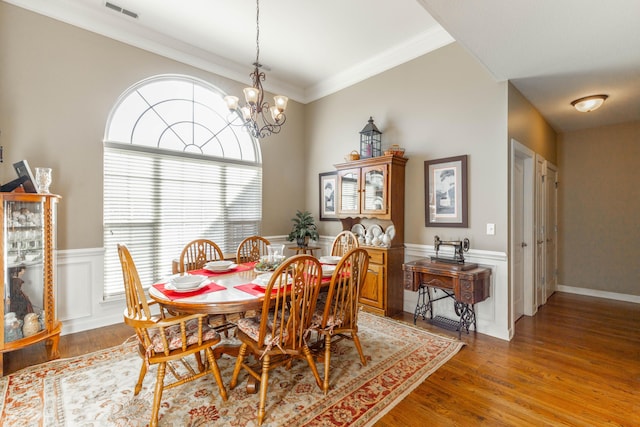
<point>370,194</point>
<point>28,290</point>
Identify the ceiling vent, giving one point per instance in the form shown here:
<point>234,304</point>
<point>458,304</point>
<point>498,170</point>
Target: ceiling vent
<point>121,10</point>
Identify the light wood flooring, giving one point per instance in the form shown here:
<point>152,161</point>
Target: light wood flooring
<point>575,363</point>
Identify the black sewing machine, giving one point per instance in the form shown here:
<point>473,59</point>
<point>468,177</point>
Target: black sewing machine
<point>459,245</point>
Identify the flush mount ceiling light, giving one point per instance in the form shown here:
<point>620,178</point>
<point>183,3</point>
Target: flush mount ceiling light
<point>257,116</point>
<point>589,103</point>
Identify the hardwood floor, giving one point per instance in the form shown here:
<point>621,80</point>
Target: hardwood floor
<point>577,363</point>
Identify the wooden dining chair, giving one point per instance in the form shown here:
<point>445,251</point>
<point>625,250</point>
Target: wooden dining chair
<point>343,243</point>
<point>337,317</point>
<point>163,339</point>
<point>279,334</point>
<point>251,249</point>
<point>194,256</point>
<point>197,253</point>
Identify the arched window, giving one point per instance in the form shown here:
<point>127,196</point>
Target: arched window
<point>174,171</point>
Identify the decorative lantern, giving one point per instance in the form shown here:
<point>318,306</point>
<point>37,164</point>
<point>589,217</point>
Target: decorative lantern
<point>370,140</point>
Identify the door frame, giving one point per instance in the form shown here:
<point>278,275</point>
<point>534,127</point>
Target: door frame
<point>528,157</point>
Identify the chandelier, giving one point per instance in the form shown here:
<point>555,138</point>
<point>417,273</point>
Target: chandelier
<point>258,117</point>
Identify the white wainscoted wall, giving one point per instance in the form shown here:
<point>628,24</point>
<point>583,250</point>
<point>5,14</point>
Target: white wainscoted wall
<point>81,307</point>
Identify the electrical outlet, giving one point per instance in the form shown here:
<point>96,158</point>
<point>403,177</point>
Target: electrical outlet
<point>491,229</point>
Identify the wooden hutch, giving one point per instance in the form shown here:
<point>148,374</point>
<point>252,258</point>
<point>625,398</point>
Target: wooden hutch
<point>371,193</point>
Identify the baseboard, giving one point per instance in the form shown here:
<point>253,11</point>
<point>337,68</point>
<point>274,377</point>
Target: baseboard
<point>598,293</point>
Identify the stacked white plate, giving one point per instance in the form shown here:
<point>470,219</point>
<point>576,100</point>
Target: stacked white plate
<point>186,283</point>
<point>330,259</point>
<point>263,280</point>
<point>219,266</point>
<point>327,270</point>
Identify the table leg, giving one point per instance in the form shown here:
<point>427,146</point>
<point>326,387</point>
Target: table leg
<point>424,304</point>
<point>467,315</point>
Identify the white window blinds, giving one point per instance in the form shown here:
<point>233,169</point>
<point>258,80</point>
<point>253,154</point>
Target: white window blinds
<point>157,202</point>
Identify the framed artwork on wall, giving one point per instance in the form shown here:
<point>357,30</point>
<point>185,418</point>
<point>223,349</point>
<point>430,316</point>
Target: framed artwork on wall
<point>328,196</point>
<point>446,192</point>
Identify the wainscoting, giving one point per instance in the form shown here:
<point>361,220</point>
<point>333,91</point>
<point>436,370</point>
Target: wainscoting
<point>81,306</point>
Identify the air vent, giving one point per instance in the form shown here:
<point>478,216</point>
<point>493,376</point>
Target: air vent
<point>121,10</point>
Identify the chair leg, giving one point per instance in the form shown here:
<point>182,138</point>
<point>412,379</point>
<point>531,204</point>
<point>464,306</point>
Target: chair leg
<point>215,370</point>
<point>201,367</point>
<point>236,369</point>
<point>312,365</point>
<point>327,359</point>
<point>143,372</point>
<point>356,341</point>
<point>157,395</point>
<point>264,379</point>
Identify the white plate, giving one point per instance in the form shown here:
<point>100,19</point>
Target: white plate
<point>219,269</point>
<point>327,270</point>
<point>391,232</point>
<point>263,280</point>
<point>330,259</point>
<point>358,230</point>
<point>170,287</point>
<point>376,230</point>
<point>189,282</point>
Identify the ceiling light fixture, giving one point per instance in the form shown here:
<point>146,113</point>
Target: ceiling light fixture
<point>589,103</point>
<point>258,117</point>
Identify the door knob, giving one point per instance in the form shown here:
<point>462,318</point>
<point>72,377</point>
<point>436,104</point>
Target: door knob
<point>523,244</point>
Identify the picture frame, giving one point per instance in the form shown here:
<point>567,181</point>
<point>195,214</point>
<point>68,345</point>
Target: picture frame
<point>328,196</point>
<point>446,192</point>
<point>24,174</point>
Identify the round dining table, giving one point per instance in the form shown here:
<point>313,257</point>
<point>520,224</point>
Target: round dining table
<point>229,291</point>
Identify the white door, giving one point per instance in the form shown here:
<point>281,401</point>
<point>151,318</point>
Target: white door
<point>521,239</point>
<point>551,248</point>
<point>518,238</point>
<point>540,222</point>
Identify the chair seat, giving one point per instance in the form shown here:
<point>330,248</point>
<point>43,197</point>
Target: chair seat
<point>332,321</point>
<point>174,336</point>
<point>251,327</point>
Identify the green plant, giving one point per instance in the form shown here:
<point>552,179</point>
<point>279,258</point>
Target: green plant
<point>303,225</point>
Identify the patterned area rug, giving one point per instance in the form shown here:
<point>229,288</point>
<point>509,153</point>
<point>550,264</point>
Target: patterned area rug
<point>97,389</point>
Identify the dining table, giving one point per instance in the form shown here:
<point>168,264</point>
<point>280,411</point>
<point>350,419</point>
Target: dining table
<point>228,291</point>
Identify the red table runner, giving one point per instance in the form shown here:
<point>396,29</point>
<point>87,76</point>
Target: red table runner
<point>172,295</point>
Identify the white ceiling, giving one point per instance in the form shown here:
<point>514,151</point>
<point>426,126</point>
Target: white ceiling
<point>553,51</point>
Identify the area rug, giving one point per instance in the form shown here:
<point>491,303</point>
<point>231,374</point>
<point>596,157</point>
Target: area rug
<point>97,389</point>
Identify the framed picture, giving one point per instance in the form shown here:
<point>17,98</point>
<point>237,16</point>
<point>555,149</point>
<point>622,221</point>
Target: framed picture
<point>24,174</point>
<point>445,183</point>
<point>328,196</point>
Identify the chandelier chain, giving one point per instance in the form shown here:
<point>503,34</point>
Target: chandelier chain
<point>257,64</point>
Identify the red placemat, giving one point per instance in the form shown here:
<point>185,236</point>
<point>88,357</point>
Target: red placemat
<point>172,295</point>
<point>255,290</point>
<point>241,267</point>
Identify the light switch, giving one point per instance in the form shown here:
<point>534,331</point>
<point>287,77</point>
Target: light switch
<point>491,229</point>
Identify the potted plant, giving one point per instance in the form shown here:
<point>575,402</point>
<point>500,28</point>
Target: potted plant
<point>304,228</point>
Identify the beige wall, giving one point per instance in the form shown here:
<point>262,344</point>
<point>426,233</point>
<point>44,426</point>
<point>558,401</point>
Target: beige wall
<point>599,200</point>
<point>439,105</point>
<point>528,127</point>
<point>57,86</point>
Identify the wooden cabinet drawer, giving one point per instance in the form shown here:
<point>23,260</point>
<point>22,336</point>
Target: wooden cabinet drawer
<point>376,257</point>
<point>436,280</point>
